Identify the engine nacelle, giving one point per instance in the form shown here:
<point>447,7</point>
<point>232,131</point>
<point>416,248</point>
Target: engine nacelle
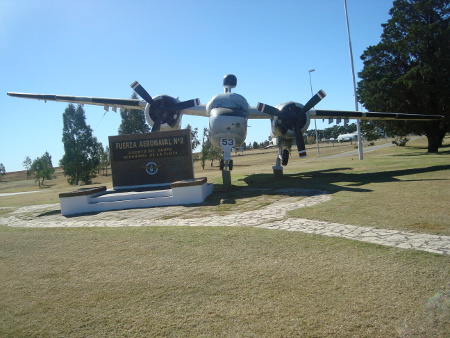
<point>170,119</point>
<point>284,126</point>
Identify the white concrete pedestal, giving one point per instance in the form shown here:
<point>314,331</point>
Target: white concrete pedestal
<point>99,199</point>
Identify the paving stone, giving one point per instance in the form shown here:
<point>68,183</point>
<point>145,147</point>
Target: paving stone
<point>271,217</point>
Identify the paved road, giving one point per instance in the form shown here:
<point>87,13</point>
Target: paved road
<point>6,194</point>
<point>272,216</point>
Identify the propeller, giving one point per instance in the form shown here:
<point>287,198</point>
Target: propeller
<point>163,109</point>
<point>294,117</point>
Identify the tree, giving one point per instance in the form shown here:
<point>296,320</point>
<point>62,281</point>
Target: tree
<point>194,136</point>
<point>265,143</point>
<point>42,168</point>
<point>105,160</point>
<point>370,130</point>
<point>350,128</point>
<point>27,165</point>
<point>206,146</point>
<point>214,154</point>
<point>408,71</point>
<point>2,170</point>
<point>133,120</point>
<point>81,159</point>
<point>310,133</point>
<point>208,152</point>
<point>310,140</point>
<point>336,130</point>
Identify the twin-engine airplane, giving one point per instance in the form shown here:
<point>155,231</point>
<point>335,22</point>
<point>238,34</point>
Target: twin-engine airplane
<point>228,115</point>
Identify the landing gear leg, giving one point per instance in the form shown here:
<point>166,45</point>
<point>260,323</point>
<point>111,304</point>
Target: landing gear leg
<point>285,157</point>
<point>277,168</point>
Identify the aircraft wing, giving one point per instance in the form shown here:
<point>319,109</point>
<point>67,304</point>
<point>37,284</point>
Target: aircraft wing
<point>104,102</point>
<point>97,101</point>
<point>199,110</point>
<point>337,114</point>
<point>340,114</point>
<point>256,114</point>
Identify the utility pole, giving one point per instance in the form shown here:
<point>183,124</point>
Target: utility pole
<point>315,123</point>
<point>358,126</point>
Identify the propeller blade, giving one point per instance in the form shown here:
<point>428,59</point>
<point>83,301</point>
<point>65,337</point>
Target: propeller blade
<point>300,142</point>
<point>142,92</point>
<point>185,104</point>
<point>157,124</point>
<point>265,108</point>
<point>313,101</point>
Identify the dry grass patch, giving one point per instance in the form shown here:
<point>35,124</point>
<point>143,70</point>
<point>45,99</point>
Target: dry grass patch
<point>6,210</point>
<point>398,188</point>
<point>214,282</point>
<point>48,194</point>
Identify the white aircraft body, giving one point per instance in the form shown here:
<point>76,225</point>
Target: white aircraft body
<point>228,115</point>
<point>347,137</point>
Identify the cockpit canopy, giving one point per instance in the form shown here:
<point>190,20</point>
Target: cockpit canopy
<point>234,104</point>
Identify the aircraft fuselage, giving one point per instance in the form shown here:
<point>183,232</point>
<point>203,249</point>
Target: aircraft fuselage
<point>228,115</point>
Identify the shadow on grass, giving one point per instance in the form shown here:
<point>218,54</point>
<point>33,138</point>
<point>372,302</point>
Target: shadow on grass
<point>291,185</point>
<point>47,186</point>
<point>440,153</point>
<point>328,179</point>
<point>50,213</point>
<point>444,150</point>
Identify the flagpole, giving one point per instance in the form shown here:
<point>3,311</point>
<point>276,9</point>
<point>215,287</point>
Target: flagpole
<point>315,125</point>
<point>358,126</point>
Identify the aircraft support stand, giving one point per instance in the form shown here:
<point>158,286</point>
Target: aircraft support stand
<point>278,169</point>
<point>227,163</point>
<point>226,179</point>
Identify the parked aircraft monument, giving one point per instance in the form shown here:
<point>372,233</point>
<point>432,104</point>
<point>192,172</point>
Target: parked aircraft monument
<point>228,115</point>
<point>137,159</point>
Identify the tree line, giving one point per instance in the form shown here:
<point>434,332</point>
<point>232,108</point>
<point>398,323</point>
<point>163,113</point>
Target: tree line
<point>408,70</point>
<point>85,157</point>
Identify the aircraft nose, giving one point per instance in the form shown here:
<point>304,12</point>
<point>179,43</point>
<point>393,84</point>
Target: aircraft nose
<point>238,112</point>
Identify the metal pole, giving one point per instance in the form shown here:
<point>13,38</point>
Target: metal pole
<point>315,123</point>
<point>358,126</point>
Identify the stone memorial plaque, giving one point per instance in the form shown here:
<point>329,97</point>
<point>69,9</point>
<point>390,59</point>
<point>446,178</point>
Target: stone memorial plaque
<point>148,159</point>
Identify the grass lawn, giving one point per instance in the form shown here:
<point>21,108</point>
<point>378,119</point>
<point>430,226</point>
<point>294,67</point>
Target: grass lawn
<point>396,188</point>
<point>222,281</point>
<point>175,281</point>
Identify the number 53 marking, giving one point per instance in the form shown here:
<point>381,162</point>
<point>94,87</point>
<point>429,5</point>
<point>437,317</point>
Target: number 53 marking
<point>228,142</point>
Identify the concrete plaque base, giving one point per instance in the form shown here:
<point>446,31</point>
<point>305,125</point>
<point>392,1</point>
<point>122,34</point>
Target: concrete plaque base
<point>99,199</point>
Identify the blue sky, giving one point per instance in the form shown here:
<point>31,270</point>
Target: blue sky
<point>175,47</point>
